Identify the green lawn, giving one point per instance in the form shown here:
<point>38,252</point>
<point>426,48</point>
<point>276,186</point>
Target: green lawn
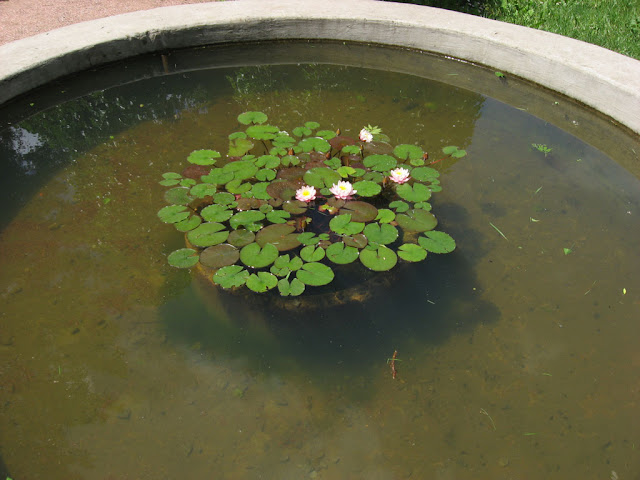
<point>613,24</point>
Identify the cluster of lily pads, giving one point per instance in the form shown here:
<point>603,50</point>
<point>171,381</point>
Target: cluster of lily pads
<point>284,210</point>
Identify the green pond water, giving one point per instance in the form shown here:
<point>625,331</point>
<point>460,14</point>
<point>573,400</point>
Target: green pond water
<point>519,351</point>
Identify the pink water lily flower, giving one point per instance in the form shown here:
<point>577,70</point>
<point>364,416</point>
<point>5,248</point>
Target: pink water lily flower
<point>306,194</point>
<point>365,135</point>
<point>399,175</point>
<point>343,190</point>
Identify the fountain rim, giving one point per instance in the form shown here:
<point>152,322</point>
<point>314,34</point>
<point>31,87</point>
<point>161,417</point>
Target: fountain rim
<point>596,77</point>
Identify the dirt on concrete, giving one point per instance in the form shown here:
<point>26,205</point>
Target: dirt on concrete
<point>23,18</point>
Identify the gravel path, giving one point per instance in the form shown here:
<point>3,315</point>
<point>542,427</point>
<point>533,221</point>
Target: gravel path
<point>23,18</point>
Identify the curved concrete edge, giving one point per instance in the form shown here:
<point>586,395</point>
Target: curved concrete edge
<point>604,80</point>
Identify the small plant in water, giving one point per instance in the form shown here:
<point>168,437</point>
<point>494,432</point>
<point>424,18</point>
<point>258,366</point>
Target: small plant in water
<point>285,210</point>
<point>541,148</point>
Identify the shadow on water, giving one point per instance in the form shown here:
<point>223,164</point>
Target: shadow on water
<point>422,305</point>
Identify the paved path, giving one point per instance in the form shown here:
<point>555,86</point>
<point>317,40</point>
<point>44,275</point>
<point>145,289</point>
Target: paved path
<point>23,18</point>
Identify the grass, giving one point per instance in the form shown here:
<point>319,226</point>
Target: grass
<point>613,24</point>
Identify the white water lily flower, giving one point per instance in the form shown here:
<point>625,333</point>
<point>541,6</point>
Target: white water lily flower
<point>343,190</point>
<point>399,175</point>
<point>365,135</point>
<point>306,194</point>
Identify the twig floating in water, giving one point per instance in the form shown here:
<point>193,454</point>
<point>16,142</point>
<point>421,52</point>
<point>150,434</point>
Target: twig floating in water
<point>392,363</point>
<point>498,230</point>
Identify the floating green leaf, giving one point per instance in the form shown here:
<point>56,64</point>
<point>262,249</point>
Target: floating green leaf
<point>326,134</point>
<point>399,206</point>
<point>252,117</point>
<point>268,161</point>
<point>414,193</point>
<point>224,198</point>
<point>311,253</point>
<point>208,234</point>
<point>262,132</point>
<point>410,152</point>
<point>359,211</point>
<point>278,216</point>
<point>321,177</point>
<point>216,213</point>
<point>265,174</point>
<point>203,190</point>
<point>237,186</point>
<point>280,235</point>
<point>341,254</point>
<point>315,274</point>
<point>183,258</point>
<point>345,171</point>
<point>380,259</point>
<point>219,256</point>
<point>231,276</point>
<point>351,149</point>
<point>342,225</point>
<point>293,288</point>
<point>385,215</point>
<point>357,241</point>
<point>203,157</point>
<point>261,281</point>
<point>308,238</point>
<point>173,213</point>
<point>367,188</point>
<point>412,252</point>
<point>178,196</point>
<point>170,179</point>
<point>382,234</point>
<point>296,207</point>
<point>246,218</point>
<point>218,176</point>
<point>424,174</point>
<point>241,237</point>
<point>312,125</point>
<point>255,256</point>
<point>310,144</point>
<point>417,220</point>
<point>301,131</point>
<point>188,224</point>
<point>437,242</point>
<point>454,151</point>
<point>380,163</point>
<point>239,147</point>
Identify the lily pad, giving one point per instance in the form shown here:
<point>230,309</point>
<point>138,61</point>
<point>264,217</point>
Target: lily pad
<point>283,189</point>
<point>237,186</point>
<point>178,196</point>
<point>252,117</point>
<point>308,238</point>
<point>278,216</point>
<point>380,163</point>
<point>253,255</point>
<point>208,234</point>
<point>219,256</point>
<point>454,151</point>
<point>425,174</point>
<point>359,211</point>
<point>203,157</point>
<point>268,161</point>
<point>173,213</point>
<point>246,218</point>
<point>282,236</point>
<point>342,254</point>
<point>224,198</point>
<point>231,276</point>
<point>262,132</point>
<point>385,215</point>
<point>315,274</point>
<point>357,241</point>
<point>408,152</point>
<point>301,131</point>
<point>290,288</point>
<point>412,252</point>
<point>417,220</point>
<point>380,259</point>
<point>381,233</point>
<point>183,258</point>
<point>342,225</point>
<point>314,144</point>
<point>203,190</point>
<point>367,188</point>
<point>414,193</point>
<point>326,134</point>
<point>218,176</point>
<point>241,237</point>
<point>261,282</point>
<point>399,206</point>
<point>188,224</point>
<point>437,242</point>
<point>311,253</point>
<point>295,207</point>
<point>321,177</point>
<point>239,147</point>
<point>170,179</point>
